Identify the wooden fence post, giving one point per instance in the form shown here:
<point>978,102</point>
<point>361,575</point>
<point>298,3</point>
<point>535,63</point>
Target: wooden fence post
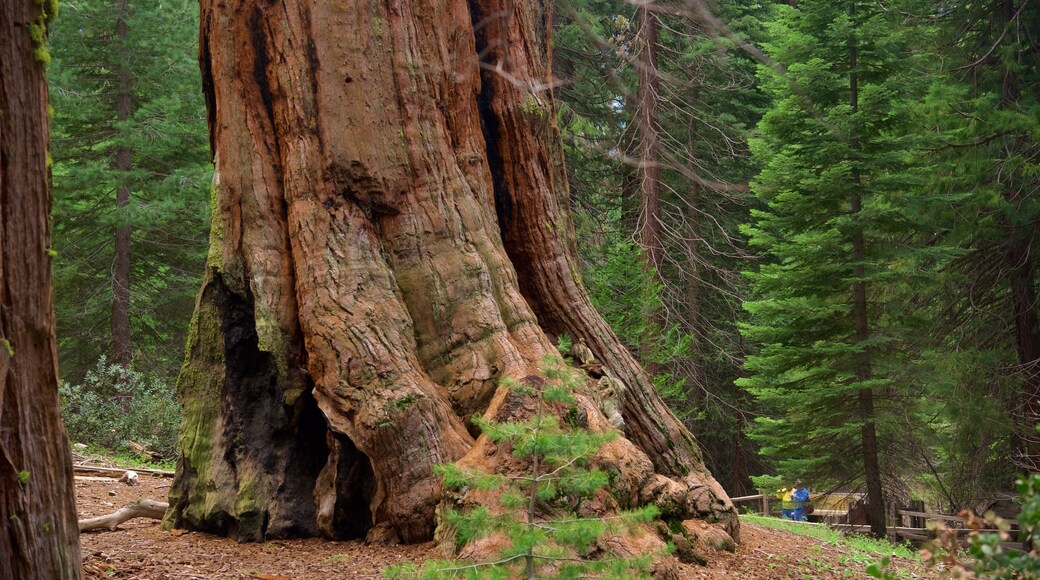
<point>917,505</point>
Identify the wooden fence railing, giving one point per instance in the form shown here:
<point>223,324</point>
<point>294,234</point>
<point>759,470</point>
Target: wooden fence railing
<point>918,530</point>
<point>762,499</point>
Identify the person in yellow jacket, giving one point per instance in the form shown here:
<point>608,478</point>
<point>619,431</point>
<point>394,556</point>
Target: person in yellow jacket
<point>785,495</point>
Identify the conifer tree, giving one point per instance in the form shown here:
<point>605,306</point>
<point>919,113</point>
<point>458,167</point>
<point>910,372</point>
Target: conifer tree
<point>131,172</point>
<point>837,231</point>
<point>538,512</point>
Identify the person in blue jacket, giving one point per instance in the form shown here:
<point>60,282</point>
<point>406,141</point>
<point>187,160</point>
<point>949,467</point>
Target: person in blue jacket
<point>799,497</point>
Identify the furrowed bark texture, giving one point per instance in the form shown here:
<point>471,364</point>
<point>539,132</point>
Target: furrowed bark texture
<point>38,533</point>
<point>390,239</point>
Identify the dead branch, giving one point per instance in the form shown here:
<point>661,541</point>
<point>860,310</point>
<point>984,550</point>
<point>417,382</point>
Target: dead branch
<point>118,471</point>
<point>91,478</point>
<point>144,508</point>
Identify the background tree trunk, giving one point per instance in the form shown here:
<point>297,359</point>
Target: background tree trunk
<point>861,322</point>
<point>649,234</point>
<point>121,345</point>
<point>38,534</point>
<point>649,168</point>
<point>391,238</point>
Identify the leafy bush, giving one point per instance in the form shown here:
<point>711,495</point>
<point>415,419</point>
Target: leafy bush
<point>985,557</point>
<point>991,560</point>
<point>115,406</point>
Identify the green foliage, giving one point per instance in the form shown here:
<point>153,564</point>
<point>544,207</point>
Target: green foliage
<point>535,513</point>
<point>114,405</point>
<point>980,120</point>
<point>836,212</point>
<point>168,212</point>
<point>945,163</point>
<point>564,343</point>
<point>628,296</point>
<point>992,560</point>
<point>985,557</point>
<point>680,321</point>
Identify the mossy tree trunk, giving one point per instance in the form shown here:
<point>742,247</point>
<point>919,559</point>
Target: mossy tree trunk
<point>39,537</point>
<point>390,238</point>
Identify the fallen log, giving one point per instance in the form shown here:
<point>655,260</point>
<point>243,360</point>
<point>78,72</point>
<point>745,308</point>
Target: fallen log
<point>129,478</point>
<point>119,471</point>
<point>92,478</point>
<point>143,508</point>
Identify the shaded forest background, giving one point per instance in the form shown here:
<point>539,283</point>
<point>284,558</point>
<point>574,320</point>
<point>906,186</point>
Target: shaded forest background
<point>814,222</point>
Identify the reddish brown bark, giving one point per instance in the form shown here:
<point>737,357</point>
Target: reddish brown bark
<point>648,233</point>
<point>120,321</point>
<point>38,533</point>
<point>1027,343</point>
<point>391,240</point>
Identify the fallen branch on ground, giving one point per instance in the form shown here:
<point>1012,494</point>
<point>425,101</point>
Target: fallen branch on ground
<point>119,471</point>
<point>129,478</point>
<point>144,508</point>
<point>91,478</point>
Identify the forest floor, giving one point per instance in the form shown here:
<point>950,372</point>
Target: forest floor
<point>140,549</point>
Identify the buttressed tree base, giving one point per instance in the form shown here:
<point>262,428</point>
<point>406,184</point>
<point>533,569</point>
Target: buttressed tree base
<point>390,239</point>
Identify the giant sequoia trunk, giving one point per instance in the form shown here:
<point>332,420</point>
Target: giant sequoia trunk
<point>38,533</point>
<point>390,239</point>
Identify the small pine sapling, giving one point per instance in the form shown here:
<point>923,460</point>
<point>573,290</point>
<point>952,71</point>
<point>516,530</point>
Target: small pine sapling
<point>534,516</point>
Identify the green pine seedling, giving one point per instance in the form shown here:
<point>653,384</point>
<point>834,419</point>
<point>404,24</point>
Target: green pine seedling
<point>543,535</point>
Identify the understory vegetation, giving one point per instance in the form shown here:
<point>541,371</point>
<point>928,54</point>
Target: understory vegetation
<point>985,556</point>
<point>539,519</point>
<point>114,407</point>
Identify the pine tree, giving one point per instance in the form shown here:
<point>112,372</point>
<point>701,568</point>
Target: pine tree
<point>837,231</point>
<point>131,172</point>
<point>537,511</point>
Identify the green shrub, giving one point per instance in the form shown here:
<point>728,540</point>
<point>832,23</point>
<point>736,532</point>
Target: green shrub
<point>985,557</point>
<point>991,559</point>
<point>115,406</point>
<point>536,516</point>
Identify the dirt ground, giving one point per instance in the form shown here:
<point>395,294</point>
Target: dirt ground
<point>140,549</point>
